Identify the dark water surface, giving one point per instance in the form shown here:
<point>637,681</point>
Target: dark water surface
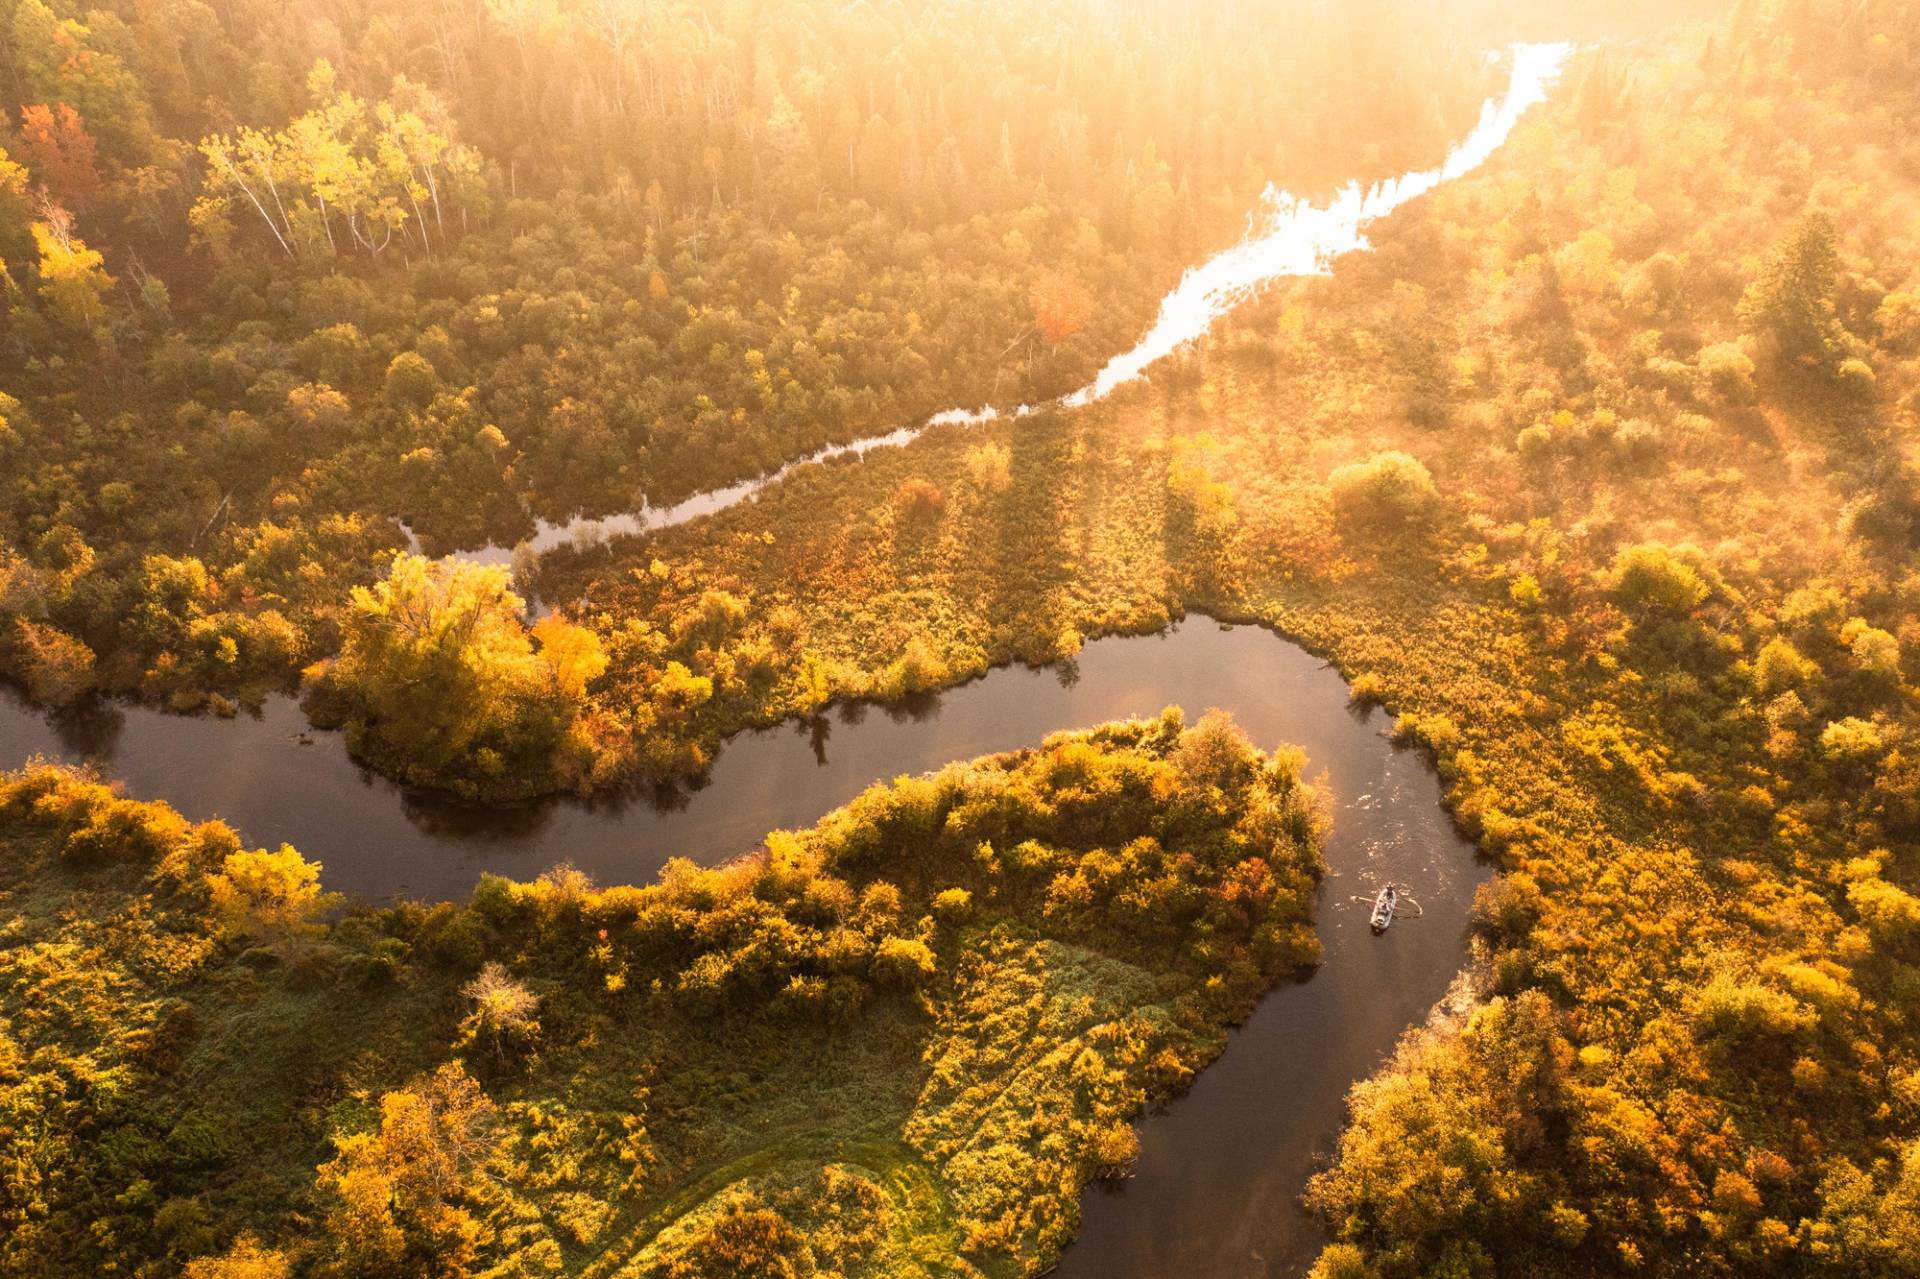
<point>1216,1191</point>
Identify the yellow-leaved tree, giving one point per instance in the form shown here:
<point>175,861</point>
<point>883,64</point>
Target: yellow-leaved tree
<point>13,215</point>
<point>441,679</point>
<point>274,898</point>
<point>403,1188</point>
<point>73,277</point>
<point>247,1259</point>
<point>347,175</point>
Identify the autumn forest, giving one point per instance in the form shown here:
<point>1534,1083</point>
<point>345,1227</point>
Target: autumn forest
<point>736,638</point>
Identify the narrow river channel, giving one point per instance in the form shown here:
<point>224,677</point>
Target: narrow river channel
<point>1218,1184</point>
<point>1290,238</point>
<point>1220,1173</point>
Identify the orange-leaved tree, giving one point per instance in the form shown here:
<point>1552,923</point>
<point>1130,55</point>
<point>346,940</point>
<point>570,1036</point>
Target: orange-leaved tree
<point>1061,307</point>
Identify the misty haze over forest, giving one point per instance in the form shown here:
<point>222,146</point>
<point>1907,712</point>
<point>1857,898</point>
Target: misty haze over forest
<point>733,638</point>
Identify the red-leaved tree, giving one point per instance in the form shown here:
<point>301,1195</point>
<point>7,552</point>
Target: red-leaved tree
<point>56,146</point>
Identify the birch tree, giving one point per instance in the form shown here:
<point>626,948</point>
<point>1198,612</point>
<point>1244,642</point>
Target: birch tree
<point>347,176</point>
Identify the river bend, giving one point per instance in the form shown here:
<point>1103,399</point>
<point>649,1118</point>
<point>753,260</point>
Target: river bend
<point>1218,1182</point>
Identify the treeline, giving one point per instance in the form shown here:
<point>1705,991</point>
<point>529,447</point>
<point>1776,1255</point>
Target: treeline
<point>276,275</point>
<point>940,109</point>
<point>207,1068</point>
<point>1598,474</point>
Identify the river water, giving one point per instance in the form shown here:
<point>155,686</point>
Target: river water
<point>1216,1190</point>
<point>1290,238</point>
<point>1220,1173</point>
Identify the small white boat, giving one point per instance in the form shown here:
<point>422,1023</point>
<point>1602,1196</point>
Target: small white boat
<point>1383,908</point>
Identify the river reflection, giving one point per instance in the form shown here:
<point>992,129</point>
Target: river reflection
<point>1217,1185</point>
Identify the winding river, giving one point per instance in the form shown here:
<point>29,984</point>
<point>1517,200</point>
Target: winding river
<point>1220,1174</point>
<point>1216,1190</point>
<point>1292,238</point>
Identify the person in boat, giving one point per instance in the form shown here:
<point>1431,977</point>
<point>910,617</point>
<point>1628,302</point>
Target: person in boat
<point>1383,908</point>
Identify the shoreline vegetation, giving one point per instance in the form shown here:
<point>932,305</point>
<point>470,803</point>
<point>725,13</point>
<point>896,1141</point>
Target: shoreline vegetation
<point>1606,495</point>
<point>1599,473</point>
<point>897,1043</point>
<point>809,252</point>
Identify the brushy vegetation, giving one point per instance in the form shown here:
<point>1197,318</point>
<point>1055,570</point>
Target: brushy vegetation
<point>898,1043</point>
<point>441,681</point>
<point>272,274</point>
<point>1598,473</point>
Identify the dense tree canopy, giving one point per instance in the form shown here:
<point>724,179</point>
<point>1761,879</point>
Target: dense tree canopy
<point>1598,472</point>
<point>279,276</point>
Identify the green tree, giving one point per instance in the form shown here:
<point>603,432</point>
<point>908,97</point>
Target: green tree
<point>1852,741</point>
<point>1427,1166</point>
<point>1780,668</point>
<point>439,673</point>
<point>411,381</point>
<point>1651,580</point>
<point>1876,653</point>
<point>14,236</point>
<point>1726,372</point>
<point>1214,753</point>
<point>1789,305</point>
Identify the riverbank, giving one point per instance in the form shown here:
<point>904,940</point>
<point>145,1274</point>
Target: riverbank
<point>897,1041</point>
<point>1278,1089</point>
<point>1529,476</point>
<point>665,726</point>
